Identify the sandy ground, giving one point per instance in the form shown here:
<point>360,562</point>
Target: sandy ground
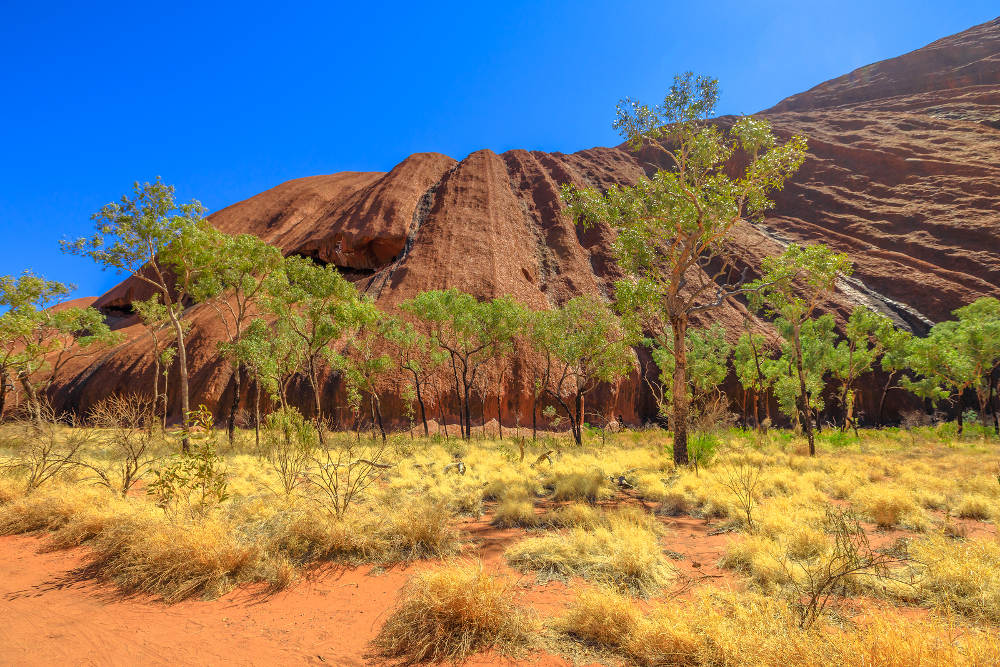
<point>53,614</point>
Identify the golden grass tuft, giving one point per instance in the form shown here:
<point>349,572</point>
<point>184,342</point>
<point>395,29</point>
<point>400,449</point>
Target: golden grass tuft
<point>514,512</point>
<point>451,612</point>
<point>574,514</point>
<point>748,629</point>
<point>619,552</point>
<point>977,506</point>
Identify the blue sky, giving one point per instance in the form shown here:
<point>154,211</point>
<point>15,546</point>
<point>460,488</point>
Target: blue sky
<point>227,100</point>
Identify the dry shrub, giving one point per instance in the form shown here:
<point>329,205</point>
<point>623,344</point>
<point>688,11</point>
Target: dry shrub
<point>513,512</point>
<point>748,629</point>
<point>8,490</point>
<point>574,514</point>
<point>673,503</point>
<point>961,575</point>
<point>886,506</point>
<point>976,506</point>
<point>125,424</point>
<point>451,612</point>
<point>145,554</point>
<point>619,553</point>
<point>49,509</point>
<point>591,485</point>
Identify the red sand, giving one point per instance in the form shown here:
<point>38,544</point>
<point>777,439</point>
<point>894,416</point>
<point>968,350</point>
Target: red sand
<point>49,614</point>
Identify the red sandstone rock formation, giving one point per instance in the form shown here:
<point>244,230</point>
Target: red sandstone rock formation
<point>903,175</point>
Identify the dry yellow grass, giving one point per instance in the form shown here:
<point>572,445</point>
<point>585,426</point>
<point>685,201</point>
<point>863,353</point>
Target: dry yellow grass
<point>728,628</point>
<point>450,612</point>
<point>620,551</point>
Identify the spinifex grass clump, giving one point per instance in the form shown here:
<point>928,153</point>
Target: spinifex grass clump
<point>448,613</point>
<point>622,551</point>
<point>749,629</point>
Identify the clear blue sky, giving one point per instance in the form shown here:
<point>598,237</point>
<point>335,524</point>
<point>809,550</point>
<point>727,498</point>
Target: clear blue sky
<point>228,100</point>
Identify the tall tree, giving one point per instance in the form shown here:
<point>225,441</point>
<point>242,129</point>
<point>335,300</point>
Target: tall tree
<point>750,359</point>
<point>470,331</point>
<point>37,339</point>
<point>417,358</point>
<point>153,238</point>
<point>362,359</point>
<point>153,315</point>
<point>894,343</point>
<point>234,284</point>
<point>673,226</point>
<point>314,305</point>
<point>583,343</point>
<point>805,364</point>
<point>856,354</point>
<point>792,287</point>
<point>957,355</point>
<point>707,353</point>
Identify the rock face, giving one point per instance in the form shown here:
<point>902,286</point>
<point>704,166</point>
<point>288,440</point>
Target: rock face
<point>903,175</point>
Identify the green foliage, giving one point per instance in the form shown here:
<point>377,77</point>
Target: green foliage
<point>670,224</point>
<point>865,334</point>
<point>36,337</point>
<point>290,442</point>
<point>791,288</point>
<point>957,354</point>
<point>472,332</point>
<point>815,350</point>
<point>583,343</point>
<point>196,477</point>
<point>707,353</point>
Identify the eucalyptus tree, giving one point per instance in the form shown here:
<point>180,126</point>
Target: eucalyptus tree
<point>161,243</point>
<point>583,343</point>
<point>750,361</point>
<point>979,324</point>
<point>894,343</point>
<point>792,288</point>
<point>673,226</point>
<point>314,305</point>
<point>272,354</point>
<point>417,358</point>
<point>38,340</point>
<point>799,374</point>
<point>153,316</point>
<point>855,355</point>
<point>362,359</point>
<point>470,331</point>
<point>957,355</point>
<point>234,283</point>
<point>707,352</point>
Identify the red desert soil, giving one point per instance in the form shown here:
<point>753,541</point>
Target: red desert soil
<point>49,615</point>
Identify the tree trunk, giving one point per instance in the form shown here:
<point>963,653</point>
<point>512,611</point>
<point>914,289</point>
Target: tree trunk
<point>679,326</point>
<point>961,424</point>
<point>256,413</point>
<point>29,392</point>
<point>236,402</point>
<point>803,399</point>
<point>317,405</point>
<point>499,417</point>
<point>881,401</point>
<point>420,402</point>
<point>378,415</point>
<point>3,393</point>
<point>182,367</point>
<point>576,419</point>
<point>468,413</point>
<point>166,382</point>
<point>534,415</point>
<point>993,403</point>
